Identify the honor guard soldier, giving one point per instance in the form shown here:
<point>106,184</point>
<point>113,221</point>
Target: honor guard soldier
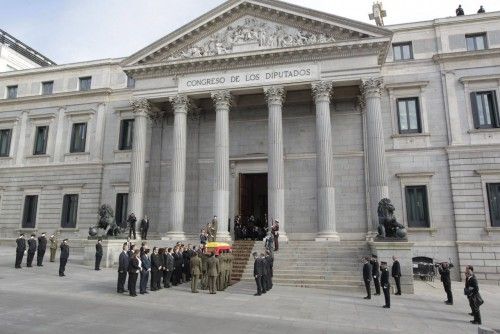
<point>98,254</point>
<point>195,272</point>
<point>40,252</point>
<point>375,274</point>
<point>144,227</point>
<point>367,276</point>
<point>53,248</point>
<point>396,274</point>
<point>212,272</point>
<point>384,281</point>
<point>20,249</point>
<point>131,224</point>
<point>63,259</point>
<point>31,250</point>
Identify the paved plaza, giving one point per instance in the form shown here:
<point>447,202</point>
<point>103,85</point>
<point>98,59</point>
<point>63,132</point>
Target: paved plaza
<point>36,300</point>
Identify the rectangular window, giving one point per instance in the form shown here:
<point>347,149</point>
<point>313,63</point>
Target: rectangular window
<point>409,115</point>
<point>476,42</point>
<point>41,137</point>
<point>29,213</point>
<point>403,51</point>
<point>78,138</point>
<point>417,210</point>
<point>494,201</point>
<point>5,136</point>
<point>85,83</point>
<point>485,109</point>
<point>47,87</point>
<point>130,82</point>
<point>126,134</point>
<point>69,211</point>
<point>12,92</point>
<point>121,209</point>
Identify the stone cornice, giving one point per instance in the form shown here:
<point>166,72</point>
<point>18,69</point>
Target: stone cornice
<point>56,96</point>
<point>415,174</point>
<point>403,85</point>
<point>466,55</point>
<point>477,78</point>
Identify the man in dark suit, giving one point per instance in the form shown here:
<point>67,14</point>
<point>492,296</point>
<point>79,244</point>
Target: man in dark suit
<point>258,273</point>
<point>384,281</point>
<point>123,262</point>
<point>375,274</point>
<point>131,220</point>
<point>133,271</point>
<point>169,267</point>
<point>155,270</point>
<point>472,292</point>
<point>444,271</point>
<point>396,274</point>
<point>64,257</point>
<point>20,249</point>
<point>31,250</point>
<point>98,254</point>
<point>144,227</point>
<point>270,263</point>
<point>367,276</point>
<point>145,269</point>
<point>40,252</point>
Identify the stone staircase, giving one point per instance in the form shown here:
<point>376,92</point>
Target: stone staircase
<point>242,251</point>
<point>321,265</point>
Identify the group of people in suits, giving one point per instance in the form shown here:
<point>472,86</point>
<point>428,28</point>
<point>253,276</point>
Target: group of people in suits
<point>263,271</point>
<point>379,274</point>
<point>38,246</point>
<point>172,266</point>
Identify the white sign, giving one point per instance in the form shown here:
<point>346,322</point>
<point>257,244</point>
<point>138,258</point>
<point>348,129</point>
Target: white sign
<point>249,78</point>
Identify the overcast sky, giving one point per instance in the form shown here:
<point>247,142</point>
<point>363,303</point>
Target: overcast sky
<point>78,30</point>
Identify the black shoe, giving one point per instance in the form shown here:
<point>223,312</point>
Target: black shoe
<point>385,306</point>
<point>448,303</point>
<point>257,294</point>
<point>367,297</point>
<point>97,269</point>
<point>475,322</point>
<point>398,293</point>
<point>376,294</point>
<point>61,275</point>
<point>133,295</point>
<point>142,293</point>
<point>471,314</point>
<point>29,266</point>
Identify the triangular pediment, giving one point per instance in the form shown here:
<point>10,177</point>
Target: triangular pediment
<point>245,27</point>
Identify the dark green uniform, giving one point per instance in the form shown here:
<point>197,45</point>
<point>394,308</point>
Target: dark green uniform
<point>195,272</point>
<point>204,276</point>
<point>212,272</point>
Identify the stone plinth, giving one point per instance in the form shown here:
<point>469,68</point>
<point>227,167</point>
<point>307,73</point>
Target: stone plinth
<point>403,251</point>
<point>111,251</point>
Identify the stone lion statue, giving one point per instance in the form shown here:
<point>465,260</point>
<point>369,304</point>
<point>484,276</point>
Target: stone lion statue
<point>388,226</point>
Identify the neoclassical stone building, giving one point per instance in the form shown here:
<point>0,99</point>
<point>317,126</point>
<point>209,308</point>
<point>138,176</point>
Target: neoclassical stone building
<point>260,106</point>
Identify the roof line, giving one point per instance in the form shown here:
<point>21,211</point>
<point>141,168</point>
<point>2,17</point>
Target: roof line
<point>24,50</point>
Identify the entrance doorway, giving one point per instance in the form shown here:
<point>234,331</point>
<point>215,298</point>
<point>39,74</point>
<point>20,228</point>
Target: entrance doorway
<point>253,197</point>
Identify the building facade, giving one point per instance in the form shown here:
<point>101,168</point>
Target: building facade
<point>260,106</point>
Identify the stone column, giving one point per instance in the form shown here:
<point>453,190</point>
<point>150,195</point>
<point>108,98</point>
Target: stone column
<point>178,194</point>
<point>222,100</point>
<point>275,96</point>
<point>59,142</point>
<point>324,163</point>
<point>21,149</point>
<point>377,168</point>
<point>100,126</point>
<point>140,108</point>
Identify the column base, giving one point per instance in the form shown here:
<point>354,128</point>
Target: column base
<point>174,236</point>
<point>223,236</point>
<point>327,236</point>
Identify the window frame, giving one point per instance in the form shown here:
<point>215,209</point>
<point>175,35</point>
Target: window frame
<point>73,137</point>
<point>83,88</point>
<point>415,188</point>
<point>494,110</point>
<point>474,37</point>
<point>121,139</point>
<point>45,84</point>
<point>24,215</point>
<point>400,46</point>
<point>130,82</point>
<point>9,142</point>
<point>10,88</point>
<point>66,211</point>
<point>419,116</point>
<point>493,223</point>
<point>46,139</point>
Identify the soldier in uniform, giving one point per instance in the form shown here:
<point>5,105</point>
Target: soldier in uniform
<point>275,232</point>
<point>204,275</point>
<point>144,227</point>
<point>53,248</point>
<point>396,274</point>
<point>31,250</point>
<point>20,249</point>
<point>63,259</point>
<point>222,266</point>
<point>195,265</point>
<point>384,281</point>
<point>230,271</point>
<point>123,262</point>
<point>376,274</point>
<point>212,272</point>
<point>40,252</point>
<point>367,276</point>
<point>131,223</point>
<point>98,254</point>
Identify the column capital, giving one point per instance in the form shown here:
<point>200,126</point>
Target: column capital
<point>221,98</point>
<point>322,90</point>
<point>140,107</point>
<point>372,86</point>
<point>275,94</point>
<point>180,103</point>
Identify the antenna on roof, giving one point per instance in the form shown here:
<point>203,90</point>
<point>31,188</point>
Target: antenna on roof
<point>378,14</point>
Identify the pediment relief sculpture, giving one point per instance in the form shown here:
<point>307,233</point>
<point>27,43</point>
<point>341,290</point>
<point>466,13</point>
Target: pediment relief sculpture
<point>248,34</point>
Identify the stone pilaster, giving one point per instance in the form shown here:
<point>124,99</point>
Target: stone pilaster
<point>324,163</point>
<point>377,168</point>
<point>137,180</point>
<point>59,142</point>
<point>21,149</point>
<point>275,96</point>
<point>178,194</point>
<point>222,101</point>
<point>99,132</point>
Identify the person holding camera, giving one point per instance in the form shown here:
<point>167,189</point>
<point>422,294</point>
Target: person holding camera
<point>444,271</point>
<point>472,292</point>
